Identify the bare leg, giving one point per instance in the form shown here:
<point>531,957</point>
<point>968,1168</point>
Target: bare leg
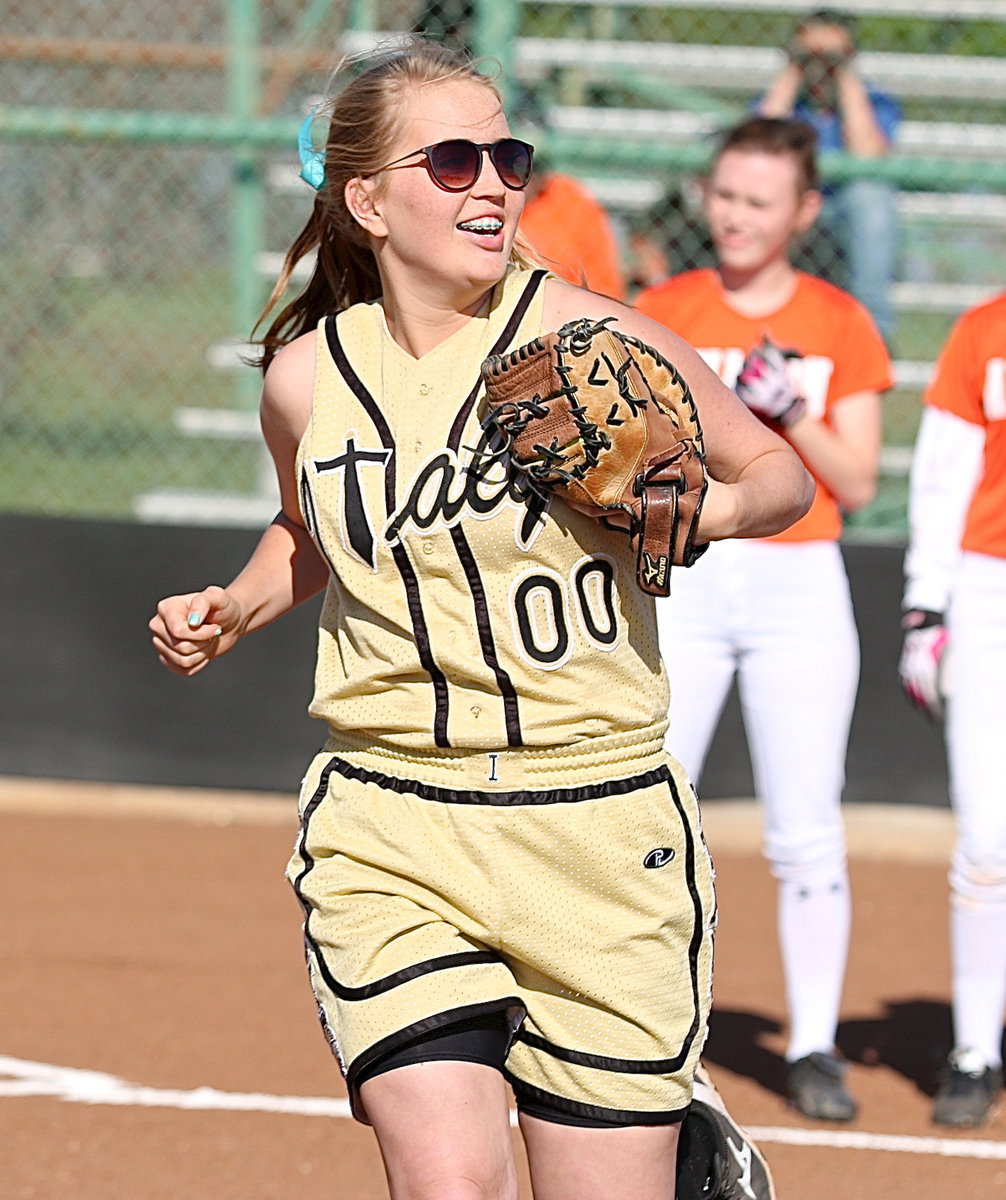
<point>572,1163</point>
<point>444,1131</point>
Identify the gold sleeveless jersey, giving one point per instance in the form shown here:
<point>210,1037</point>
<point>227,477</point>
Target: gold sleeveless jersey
<point>463,612</point>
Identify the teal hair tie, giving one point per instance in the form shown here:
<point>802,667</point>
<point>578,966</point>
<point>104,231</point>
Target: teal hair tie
<point>312,161</point>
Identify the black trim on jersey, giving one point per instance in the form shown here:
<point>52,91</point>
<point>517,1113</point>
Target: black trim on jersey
<point>427,791</point>
<point>361,392</point>
<point>591,1112</point>
<point>311,516</point>
<point>410,1033</point>
<point>511,710</point>
<point>424,645</point>
<point>520,308</point>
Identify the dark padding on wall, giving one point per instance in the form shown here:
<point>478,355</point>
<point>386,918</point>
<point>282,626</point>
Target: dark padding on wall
<point>84,697</point>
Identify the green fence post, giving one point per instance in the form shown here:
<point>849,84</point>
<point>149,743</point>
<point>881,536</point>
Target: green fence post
<point>494,31</point>
<point>243,83</point>
<point>361,16</point>
<point>243,87</point>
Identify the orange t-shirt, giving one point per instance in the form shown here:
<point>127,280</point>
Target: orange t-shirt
<point>572,234</point>
<point>841,354</point>
<point>970,383</point>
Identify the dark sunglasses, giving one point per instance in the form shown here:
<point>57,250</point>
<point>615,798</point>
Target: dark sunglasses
<point>455,164</point>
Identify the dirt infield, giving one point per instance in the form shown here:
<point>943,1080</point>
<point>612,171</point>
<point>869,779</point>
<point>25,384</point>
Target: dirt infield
<point>159,1037</point>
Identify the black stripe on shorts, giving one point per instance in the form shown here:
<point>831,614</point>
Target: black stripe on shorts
<point>655,1066</point>
<point>446,962</point>
<point>601,1062</point>
<point>591,1113</point>
<point>426,791</point>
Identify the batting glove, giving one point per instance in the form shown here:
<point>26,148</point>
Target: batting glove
<point>923,661</point>
<point>766,388</point>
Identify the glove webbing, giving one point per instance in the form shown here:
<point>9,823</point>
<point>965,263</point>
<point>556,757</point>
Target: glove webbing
<point>531,368</point>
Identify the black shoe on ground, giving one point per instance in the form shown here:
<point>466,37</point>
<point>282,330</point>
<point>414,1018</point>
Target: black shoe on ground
<point>817,1088</point>
<point>716,1159</point>
<point>968,1091</point>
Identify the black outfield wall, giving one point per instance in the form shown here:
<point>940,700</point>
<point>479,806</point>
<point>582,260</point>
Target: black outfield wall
<point>83,696</point>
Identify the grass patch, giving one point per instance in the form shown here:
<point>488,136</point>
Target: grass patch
<point>89,397</point>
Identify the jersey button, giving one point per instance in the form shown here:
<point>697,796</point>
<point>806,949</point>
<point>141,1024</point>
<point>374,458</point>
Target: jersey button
<point>427,547</point>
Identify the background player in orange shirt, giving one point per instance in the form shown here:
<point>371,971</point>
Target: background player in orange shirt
<point>955,602</point>
<point>572,234</point>
<point>777,611</point>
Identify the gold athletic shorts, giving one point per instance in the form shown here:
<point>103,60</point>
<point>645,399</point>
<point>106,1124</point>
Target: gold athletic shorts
<point>582,906</point>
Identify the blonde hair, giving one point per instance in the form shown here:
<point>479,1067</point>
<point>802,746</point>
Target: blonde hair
<point>363,126</point>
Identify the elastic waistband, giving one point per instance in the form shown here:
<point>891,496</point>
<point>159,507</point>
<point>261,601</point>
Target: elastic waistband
<point>591,760</point>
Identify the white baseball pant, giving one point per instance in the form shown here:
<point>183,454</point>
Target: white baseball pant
<point>976,721</point>
<point>778,615</point>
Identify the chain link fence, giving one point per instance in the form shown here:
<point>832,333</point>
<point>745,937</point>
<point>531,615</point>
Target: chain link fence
<point>148,187</point>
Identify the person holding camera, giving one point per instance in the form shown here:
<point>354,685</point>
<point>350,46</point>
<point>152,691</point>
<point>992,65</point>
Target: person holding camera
<point>820,85</point>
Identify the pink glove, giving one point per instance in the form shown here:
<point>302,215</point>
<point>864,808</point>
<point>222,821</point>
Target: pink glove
<point>923,661</point>
<point>766,388</point>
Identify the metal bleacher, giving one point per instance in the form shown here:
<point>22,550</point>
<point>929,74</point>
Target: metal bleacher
<point>674,95</point>
<point>943,202</point>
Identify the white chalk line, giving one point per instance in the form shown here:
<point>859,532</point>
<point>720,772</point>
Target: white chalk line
<point>96,1087</point>
<point>20,1078</point>
<point>849,1139</point>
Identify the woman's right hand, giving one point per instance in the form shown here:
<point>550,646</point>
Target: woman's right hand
<point>190,630</point>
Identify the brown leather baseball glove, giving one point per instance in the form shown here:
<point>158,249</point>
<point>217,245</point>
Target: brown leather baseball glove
<point>607,423</point>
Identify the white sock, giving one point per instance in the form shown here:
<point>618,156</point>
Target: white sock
<point>814,923</point>
<point>978,956</point>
